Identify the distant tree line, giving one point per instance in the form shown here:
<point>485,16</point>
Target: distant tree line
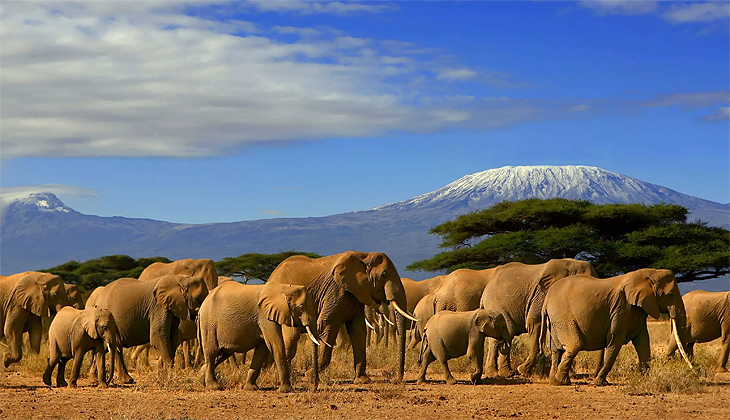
<point>615,238</point>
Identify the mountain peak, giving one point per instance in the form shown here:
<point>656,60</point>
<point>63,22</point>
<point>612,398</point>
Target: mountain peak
<point>40,201</point>
<point>512,183</point>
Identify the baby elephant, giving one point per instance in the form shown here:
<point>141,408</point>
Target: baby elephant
<point>449,335</point>
<point>72,334</point>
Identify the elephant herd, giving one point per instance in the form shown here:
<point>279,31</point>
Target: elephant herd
<point>561,304</point>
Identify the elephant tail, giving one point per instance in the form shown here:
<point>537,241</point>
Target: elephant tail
<point>424,348</point>
<point>544,329</point>
<point>199,334</point>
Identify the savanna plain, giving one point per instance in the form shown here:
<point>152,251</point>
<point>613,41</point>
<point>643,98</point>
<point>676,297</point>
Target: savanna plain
<point>669,391</point>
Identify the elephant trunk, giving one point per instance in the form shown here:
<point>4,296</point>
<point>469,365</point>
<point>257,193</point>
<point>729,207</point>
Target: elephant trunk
<point>315,366</point>
<point>112,347</point>
<point>396,295</point>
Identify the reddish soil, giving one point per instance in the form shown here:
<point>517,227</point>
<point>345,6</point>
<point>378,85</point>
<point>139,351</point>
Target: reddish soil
<point>24,396</point>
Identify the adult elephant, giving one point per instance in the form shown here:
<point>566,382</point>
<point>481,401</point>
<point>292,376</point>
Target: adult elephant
<point>415,291</point>
<point>236,318</point>
<point>517,291</point>
<point>708,318</point>
<point>75,298</point>
<point>585,313</point>
<point>340,286</point>
<point>150,311</point>
<point>27,298</point>
<point>204,268</point>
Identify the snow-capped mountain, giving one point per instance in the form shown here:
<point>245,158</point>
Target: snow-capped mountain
<point>512,183</point>
<point>39,231</point>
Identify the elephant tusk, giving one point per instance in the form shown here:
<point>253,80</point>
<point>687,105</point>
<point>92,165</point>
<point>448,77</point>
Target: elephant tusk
<point>368,324</point>
<point>311,336</point>
<point>325,343</point>
<point>388,321</point>
<point>109,349</point>
<point>402,312</point>
<point>679,344</point>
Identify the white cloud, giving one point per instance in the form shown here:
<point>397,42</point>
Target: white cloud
<point>456,74</point>
<point>144,79</point>
<point>721,114</point>
<point>689,101</point>
<point>271,212</point>
<point>698,12</point>
<point>9,194</point>
<point>317,7</point>
<point>620,7</point>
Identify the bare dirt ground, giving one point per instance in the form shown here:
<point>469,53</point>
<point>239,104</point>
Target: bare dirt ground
<point>178,395</point>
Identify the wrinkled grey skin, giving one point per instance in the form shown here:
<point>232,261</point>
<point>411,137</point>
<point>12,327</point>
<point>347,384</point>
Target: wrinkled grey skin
<point>586,313</point>
<point>449,335</point>
<point>517,291</point>
<point>26,298</point>
<point>236,318</point>
<point>72,334</point>
<point>708,318</point>
<point>341,286</point>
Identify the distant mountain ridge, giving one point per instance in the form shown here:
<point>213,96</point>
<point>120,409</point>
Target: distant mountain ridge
<point>40,231</point>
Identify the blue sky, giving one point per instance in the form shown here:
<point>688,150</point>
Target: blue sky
<point>212,111</point>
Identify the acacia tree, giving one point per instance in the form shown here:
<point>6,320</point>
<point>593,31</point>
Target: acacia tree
<point>615,238</point>
<point>255,266</point>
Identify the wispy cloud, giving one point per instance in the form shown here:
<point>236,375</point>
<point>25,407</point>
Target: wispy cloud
<point>721,114</point>
<point>284,188</point>
<point>9,194</point>
<point>688,101</point>
<point>698,12</point>
<point>674,12</point>
<point>456,74</point>
<point>305,7</point>
<point>621,7</point>
<point>271,212</point>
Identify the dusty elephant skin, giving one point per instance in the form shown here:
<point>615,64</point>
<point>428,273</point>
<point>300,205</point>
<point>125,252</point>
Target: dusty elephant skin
<point>585,313</point>
<point>708,318</point>
<point>26,298</point>
<point>341,285</point>
<point>150,311</point>
<point>72,334</point>
<point>236,318</point>
<point>449,335</point>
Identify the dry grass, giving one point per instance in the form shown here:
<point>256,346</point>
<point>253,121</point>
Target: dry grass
<point>664,376</point>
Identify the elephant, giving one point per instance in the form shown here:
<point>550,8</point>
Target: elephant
<point>415,291</point>
<point>236,318</point>
<point>74,296</point>
<point>26,298</point>
<point>449,335</point>
<point>204,268</point>
<point>150,312</point>
<point>708,318</point>
<point>517,291</point>
<point>72,334</point>
<point>341,285</point>
<point>585,313</point>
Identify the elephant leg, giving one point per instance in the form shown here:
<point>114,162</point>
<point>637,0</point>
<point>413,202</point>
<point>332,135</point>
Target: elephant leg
<point>209,360</point>
<point>53,359</point>
<point>609,358</point>
<point>14,334</point>
<point>599,362</point>
<point>505,367</point>
<point>562,375</point>
<point>476,356</point>
<point>643,352</point>
<point>450,380</point>
<point>61,374</point>
<point>556,356</point>
<point>275,343</point>
<point>691,350</point>
<point>328,333</point>
<point>35,334</point>
<point>427,358</point>
<point>725,350</point>
<point>492,356</point>
<point>186,354</point>
<point>78,359</point>
<point>260,354</point>
<point>101,367</point>
<point>122,373</point>
<point>357,330</point>
<point>291,339</point>
<point>533,352</point>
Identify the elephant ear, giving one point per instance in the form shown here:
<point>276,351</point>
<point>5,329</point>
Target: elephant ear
<point>29,295</point>
<point>639,289</point>
<point>351,274</point>
<point>89,323</point>
<point>275,303</point>
<point>172,296</point>
<point>195,287</point>
<point>553,271</point>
